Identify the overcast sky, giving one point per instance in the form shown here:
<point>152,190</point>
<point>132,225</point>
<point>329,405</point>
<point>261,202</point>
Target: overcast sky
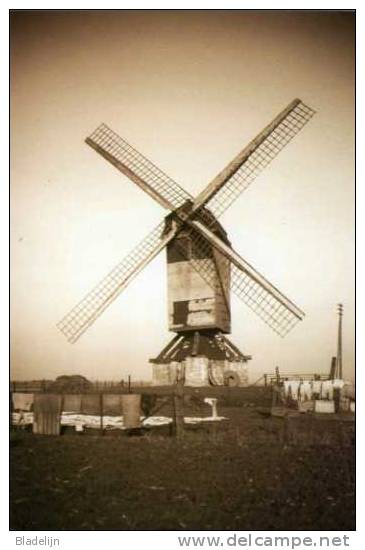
<point>189,90</point>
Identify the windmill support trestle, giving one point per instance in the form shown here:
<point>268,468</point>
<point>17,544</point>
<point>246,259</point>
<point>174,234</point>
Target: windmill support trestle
<point>200,358</point>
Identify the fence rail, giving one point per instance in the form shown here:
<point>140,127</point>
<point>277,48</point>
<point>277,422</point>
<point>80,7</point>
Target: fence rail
<point>39,386</point>
<point>110,386</point>
<point>270,378</point>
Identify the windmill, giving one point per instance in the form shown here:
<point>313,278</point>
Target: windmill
<point>202,266</point>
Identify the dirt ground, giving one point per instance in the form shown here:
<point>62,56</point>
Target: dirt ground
<point>250,472</point>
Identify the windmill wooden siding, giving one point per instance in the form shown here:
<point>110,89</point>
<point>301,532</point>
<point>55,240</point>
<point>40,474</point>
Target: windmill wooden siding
<point>193,303</point>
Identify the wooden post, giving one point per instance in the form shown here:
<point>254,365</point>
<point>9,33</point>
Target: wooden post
<point>339,342</point>
<point>129,383</point>
<point>178,400</point>
<point>195,343</point>
<point>11,408</point>
<point>333,368</point>
<point>265,380</point>
<point>336,399</point>
<point>101,403</point>
<point>275,390</point>
<point>277,373</point>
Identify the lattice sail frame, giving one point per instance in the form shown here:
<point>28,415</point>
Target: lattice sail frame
<point>259,300</point>
<point>119,150</point>
<point>276,315</point>
<point>242,171</point>
<point>94,303</point>
<point>260,158</point>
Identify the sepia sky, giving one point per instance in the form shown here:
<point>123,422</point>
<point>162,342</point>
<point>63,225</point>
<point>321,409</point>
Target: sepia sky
<point>188,89</point>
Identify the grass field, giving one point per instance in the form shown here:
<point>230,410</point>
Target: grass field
<point>250,472</point>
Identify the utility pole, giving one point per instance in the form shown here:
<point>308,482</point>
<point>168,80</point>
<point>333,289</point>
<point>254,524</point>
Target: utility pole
<point>339,342</point>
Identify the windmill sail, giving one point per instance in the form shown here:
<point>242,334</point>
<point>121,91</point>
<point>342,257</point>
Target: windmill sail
<point>263,298</point>
<point>250,162</point>
<point>97,300</point>
<point>138,168</point>
<point>279,317</point>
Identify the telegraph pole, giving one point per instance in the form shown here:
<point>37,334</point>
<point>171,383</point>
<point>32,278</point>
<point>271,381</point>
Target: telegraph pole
<point>339,341</point>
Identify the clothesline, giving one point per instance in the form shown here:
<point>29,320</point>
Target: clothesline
<point>314,389</point>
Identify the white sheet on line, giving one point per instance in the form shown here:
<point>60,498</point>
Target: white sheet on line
<point>109,422</point>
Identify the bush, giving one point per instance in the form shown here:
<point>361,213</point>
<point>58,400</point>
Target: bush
<point>71,383</point>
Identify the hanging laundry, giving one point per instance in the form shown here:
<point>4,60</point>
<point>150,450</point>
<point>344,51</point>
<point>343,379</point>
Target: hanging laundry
<point>305,391</point>
<point>72,403</point>
<point>294,389</point>
<point>22,401</point>
<point>327,390</point>
<point>47,414</point>
<point>348,390</point>
<point>90,403</point>
<point>316,388</point>
<point>286,387</point>
<point>112,404</point>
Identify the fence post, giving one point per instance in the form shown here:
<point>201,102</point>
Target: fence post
<point>277,374</point>
<point>101,403</point>
<point>265,380</point>
<point>11,408</point>
<point>178,400</point>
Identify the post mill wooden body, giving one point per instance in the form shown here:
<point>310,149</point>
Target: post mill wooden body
<point>202,266</point>
<point>193,303</point>
<point>199,312</point>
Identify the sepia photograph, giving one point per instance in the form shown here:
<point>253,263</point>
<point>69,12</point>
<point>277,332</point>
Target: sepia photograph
<point>182,272</point>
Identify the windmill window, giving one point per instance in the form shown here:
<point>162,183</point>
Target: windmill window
<point>181,311</point>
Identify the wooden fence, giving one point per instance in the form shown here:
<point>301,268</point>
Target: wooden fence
<point>271,378</point>
<point>99,386</point>
<point>124,386</point>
